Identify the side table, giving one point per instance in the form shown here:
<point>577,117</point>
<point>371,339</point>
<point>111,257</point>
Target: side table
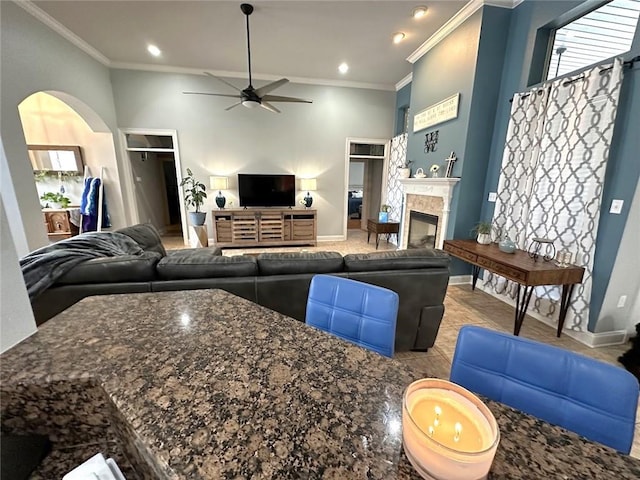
<point>198,236</point>
<point>382,228</point>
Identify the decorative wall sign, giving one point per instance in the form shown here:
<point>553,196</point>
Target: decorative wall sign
<point>430,141</point>
<point>438,113</point>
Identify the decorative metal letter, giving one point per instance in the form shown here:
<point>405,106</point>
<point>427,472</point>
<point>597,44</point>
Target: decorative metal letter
<point>430,141</point>
<point>450,161</point>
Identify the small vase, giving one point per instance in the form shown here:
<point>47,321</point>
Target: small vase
<point>404,172</point>
<point>507,245</point>
<point>484,238</point>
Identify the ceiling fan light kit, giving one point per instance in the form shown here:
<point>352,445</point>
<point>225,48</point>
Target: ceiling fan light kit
<point>251,97</point>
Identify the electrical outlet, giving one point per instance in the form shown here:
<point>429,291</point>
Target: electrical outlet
<point>616,206</point>
<point>622,300</point>
<point>493,196</point>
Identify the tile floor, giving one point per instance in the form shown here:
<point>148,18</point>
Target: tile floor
<point>462,307</point>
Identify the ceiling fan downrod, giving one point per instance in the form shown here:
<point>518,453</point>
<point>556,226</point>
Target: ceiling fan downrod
<point>247,9</point>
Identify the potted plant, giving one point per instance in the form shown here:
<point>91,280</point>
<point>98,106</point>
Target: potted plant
<point>55,200</point>
<point>483,232</point>
<point>404,170</point>
<point>195,193</point>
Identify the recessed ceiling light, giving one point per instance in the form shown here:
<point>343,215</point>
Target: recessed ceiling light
<point>343,68</point>
<point>398,37</point>
<point>419,12</point>
<point>153,50</point>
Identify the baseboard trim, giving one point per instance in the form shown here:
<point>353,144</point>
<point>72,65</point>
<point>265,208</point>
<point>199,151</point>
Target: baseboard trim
<point>590,339</point>
<point>460,280</point>
<point>332,238</point>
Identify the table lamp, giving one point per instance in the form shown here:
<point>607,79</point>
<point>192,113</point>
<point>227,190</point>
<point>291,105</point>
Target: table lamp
<point>310,185</point>
<point>219,183</point>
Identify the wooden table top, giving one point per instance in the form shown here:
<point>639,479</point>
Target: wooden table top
<point>517,266</point>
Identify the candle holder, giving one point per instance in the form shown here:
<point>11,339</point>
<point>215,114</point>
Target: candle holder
<point>542,247</point>
<point>447,432</point>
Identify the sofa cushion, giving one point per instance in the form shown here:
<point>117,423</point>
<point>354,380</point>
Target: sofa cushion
<point>146,236</point>
<point>396,260</point>
<point>299,262</point>
<point>124,268</point>
<point>204,263</point>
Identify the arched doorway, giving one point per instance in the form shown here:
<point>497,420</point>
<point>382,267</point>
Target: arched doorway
<point>55,119</point>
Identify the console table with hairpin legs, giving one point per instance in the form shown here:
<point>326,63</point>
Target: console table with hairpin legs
<point>518,267</point>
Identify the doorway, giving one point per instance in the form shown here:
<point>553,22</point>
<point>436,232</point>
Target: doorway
<point>366,164</point>
<point>155,176</point>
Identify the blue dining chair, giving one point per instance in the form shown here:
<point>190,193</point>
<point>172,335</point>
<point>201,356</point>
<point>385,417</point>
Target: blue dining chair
<point>586,396</point>
<point>361,313</point>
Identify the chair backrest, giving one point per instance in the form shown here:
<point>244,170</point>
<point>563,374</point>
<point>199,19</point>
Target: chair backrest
<point>361,313</point>
<point>591,398</point>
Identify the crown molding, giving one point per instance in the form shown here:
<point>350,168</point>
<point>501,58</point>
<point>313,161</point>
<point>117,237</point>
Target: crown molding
<point>63,31</point>
<point>243,75</point>
<point>405,81</point>
<point>454,22</point>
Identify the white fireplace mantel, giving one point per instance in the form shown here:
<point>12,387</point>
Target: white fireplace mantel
<point>433,187</point>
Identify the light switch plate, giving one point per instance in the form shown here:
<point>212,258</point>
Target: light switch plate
<point>493,196</point>
<point>622,300</point>
<point>616,206</point>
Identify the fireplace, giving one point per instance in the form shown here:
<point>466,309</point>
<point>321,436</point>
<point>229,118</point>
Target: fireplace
<point>423,229</point>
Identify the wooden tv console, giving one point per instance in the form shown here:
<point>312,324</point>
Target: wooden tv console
<point>254,227</point>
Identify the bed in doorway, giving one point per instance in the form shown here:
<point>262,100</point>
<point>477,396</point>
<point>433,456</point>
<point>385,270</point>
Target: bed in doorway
<point>355,203</point>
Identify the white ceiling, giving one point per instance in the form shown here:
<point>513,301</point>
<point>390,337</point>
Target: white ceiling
<point>297,39</point>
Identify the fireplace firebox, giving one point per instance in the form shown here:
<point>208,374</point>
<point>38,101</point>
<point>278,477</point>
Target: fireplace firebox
<point>422,230</point>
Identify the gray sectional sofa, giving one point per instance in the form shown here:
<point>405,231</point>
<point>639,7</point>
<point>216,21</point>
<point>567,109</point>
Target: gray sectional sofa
<point>279,281</point>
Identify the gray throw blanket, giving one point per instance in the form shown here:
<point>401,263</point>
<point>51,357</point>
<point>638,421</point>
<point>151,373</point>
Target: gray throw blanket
<point>41,268</point>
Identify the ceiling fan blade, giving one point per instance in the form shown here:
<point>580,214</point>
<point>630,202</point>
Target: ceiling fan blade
<point>269,107</point>
<point>223,81</point>
<point>213,94</point>
<point>233,106</point>
<point>276,98</point>
<point>271,86</point>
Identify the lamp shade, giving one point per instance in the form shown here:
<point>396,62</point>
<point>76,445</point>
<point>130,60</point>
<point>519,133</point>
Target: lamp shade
<point>219,183</point>
<point>308,184</point>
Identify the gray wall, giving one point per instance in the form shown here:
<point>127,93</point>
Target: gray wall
<point>625,279</point>
<point>16,317</point>
<point>306,140</point>
<point>34,58</point>
<point>403,100</point>
<point>446,69</point>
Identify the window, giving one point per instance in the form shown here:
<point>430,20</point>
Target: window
<point>600,34</point>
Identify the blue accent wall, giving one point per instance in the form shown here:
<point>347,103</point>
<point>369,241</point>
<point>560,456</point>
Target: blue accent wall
<point>488,59</point>
<point>623,169</point>
<point>403,100</point>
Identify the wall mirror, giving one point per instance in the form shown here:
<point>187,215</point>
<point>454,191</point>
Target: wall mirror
<point>57,158</point>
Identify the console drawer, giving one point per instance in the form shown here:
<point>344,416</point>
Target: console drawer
<point>472,257</point>
<point>503,270</point>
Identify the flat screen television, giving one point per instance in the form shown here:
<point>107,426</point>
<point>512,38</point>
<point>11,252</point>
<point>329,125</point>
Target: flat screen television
<point>259,190</point>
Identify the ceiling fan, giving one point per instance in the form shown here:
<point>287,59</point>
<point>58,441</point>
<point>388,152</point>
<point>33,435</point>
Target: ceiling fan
<point>251,97</point>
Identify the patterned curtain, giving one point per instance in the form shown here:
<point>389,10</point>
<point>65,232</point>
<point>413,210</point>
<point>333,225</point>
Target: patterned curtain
<point>552,177</point>
<point>394,189</point>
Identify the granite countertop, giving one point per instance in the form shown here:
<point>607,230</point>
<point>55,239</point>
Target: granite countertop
<point>202,384</point>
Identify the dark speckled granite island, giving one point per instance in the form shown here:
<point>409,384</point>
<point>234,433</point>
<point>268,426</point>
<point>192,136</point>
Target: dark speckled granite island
<point>204,385</point>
